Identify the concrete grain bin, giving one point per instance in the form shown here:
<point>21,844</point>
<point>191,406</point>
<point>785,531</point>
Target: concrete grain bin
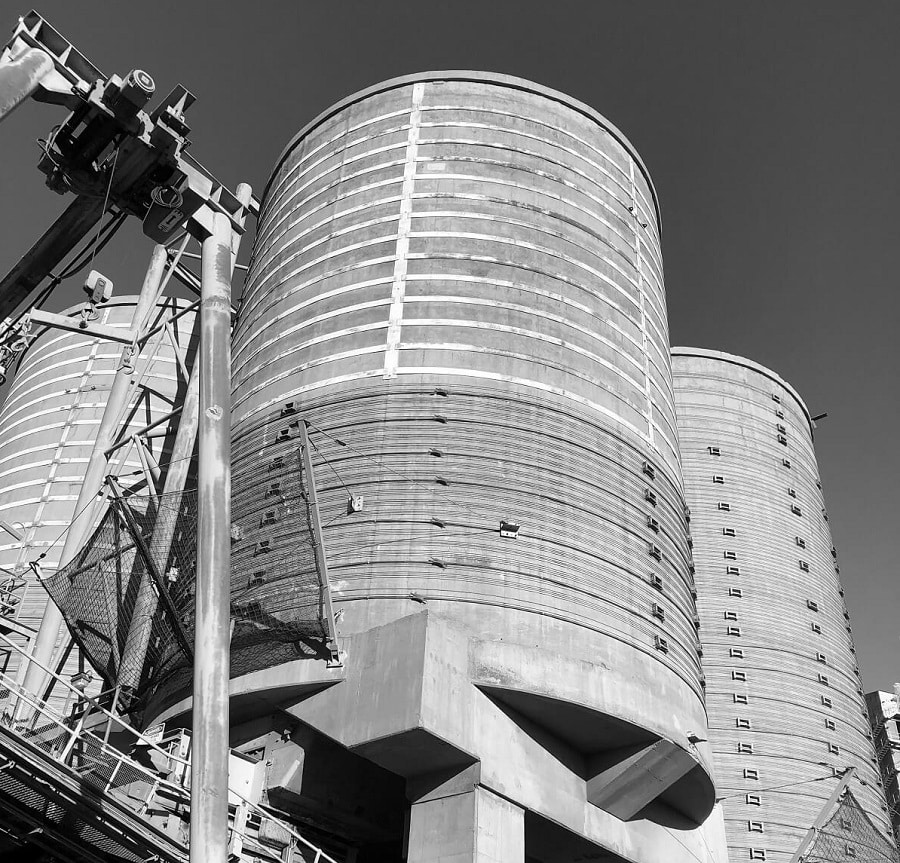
<point>784,697</point>
<point>48,424</point>
<point>457,285</point>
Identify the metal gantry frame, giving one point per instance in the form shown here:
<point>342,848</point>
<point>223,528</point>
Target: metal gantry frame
<point>204,416</point>
<point>110,149</point>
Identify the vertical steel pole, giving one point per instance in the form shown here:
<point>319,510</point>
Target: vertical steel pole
<point>116,404</point>
<point>140,629</point>
<point>209,756</point>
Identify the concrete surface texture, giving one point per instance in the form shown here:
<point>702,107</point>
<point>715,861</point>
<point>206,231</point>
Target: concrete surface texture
<point>457,282</point>
<point>47,429</point>
<point>783,693</point>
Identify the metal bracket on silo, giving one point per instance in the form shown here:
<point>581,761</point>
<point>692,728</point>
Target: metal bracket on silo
<point>327,610</point>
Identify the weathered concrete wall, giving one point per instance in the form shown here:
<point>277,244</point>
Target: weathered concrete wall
<point>47,429</point>
<point>783,690</point>
<point>457,281</point>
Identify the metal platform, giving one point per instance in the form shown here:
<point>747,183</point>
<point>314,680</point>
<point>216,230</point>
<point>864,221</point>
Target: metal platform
<point>92,788</point>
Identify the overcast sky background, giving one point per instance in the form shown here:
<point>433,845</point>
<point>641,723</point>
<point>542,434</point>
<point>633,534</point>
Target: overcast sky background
<point>771,130</point>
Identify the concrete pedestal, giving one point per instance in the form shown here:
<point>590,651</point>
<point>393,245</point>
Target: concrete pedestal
<point>475,826</point>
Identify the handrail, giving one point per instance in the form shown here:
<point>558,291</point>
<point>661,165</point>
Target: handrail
<point>78,732</point>
<point>92,701</point>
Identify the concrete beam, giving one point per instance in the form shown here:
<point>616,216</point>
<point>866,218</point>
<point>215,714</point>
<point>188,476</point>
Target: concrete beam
<point>407,703</point>
<point>626,782</point>
<point>472,827</point>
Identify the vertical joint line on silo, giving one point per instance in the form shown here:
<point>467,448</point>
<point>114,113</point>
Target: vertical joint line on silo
<point>57,457</point>
<point>398,291</point>
<point>645,341</point>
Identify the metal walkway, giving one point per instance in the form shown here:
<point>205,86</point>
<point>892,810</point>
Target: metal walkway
<point>89,787</point>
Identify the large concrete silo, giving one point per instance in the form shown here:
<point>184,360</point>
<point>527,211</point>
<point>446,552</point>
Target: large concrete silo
<point>784,697</point>
<point>457,283</point>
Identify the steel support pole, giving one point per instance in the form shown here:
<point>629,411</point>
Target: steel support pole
<point>95,474</point>
<point>146,604</point>
<point>209,755</point>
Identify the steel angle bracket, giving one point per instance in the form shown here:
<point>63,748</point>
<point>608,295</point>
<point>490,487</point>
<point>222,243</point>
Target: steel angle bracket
<point>312,503</point>
<point>77,325</point>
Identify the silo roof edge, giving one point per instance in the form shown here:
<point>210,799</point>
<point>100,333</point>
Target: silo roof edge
<point>483,78</point>
<point>750,364</point>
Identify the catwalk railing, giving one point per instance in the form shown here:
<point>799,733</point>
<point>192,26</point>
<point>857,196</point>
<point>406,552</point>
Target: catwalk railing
<point>149,776</point>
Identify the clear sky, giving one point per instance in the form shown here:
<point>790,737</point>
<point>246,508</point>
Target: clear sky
<point>771,129</point>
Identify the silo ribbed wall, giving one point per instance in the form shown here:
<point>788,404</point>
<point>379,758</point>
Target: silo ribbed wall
<point>47,429</point>
<point>783,689</point>
<point>457,280</point>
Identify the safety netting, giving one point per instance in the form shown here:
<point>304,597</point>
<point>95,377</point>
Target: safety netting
<point>119,614</point>
<point>849,834</point>
<point>128,596</point>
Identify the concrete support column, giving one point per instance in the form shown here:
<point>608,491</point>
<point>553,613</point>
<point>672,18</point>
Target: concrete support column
<point>475,826</point>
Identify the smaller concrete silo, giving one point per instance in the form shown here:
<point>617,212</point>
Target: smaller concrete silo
<point>48,425</point>
<point>786,709</point>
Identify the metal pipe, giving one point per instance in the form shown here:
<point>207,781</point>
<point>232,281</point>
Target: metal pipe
<point>21,76</point>
<point>209,761</point>
<point>140,628</point>
<point>95,474</point>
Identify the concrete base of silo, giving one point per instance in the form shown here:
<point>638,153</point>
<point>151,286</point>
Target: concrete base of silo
<point>431,741</point>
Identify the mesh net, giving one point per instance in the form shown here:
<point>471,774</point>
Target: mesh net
<point>128,596</point>
<point>110,602</point>
<point>850,835</point>
<point>276,582</point>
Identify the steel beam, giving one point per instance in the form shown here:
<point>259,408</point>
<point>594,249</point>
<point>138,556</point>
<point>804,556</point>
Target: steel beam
<point>326,609</point>
<point>79,325</point>
<point>824,815</point>
<point>157,577</point>
<point>95,474</point>
<point>209,760</point>
<point>146,603</point>
<point>60,238</point>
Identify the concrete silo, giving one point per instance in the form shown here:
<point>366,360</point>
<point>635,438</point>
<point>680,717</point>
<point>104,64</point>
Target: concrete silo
<point>785,702</point>
<point>48,424</point>
<point>457,284</point>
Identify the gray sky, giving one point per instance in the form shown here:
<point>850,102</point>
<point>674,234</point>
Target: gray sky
<point>770,128</point>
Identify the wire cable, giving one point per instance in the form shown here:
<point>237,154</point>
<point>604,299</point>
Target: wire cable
<point>331,468</point>
<point>396,472</point>
<point>776,787</point>
<point>36,562</point>
<point>112,174</point>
